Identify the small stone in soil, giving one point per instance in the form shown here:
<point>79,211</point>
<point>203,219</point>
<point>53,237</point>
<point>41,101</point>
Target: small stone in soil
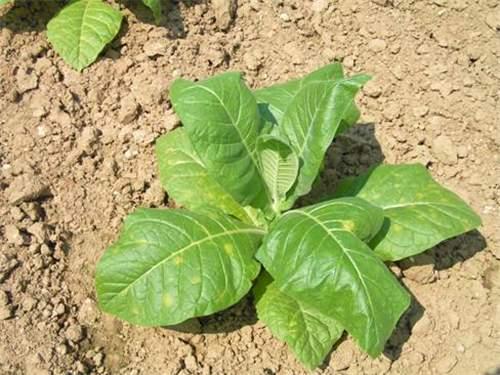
<point>75,333</point>
<point>444,150</point>
<point>27,188</point>
<point>419,269</point>
<point>13,235</point>
<point>224,12</point>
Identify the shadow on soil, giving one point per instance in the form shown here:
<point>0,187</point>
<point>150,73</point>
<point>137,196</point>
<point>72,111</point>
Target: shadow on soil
<point>33,15</point>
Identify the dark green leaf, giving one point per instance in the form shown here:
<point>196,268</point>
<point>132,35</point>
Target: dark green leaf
<point>317,255</point>
<point>307,332</point>
<point>419,212</point>
<point>222,121</point>
<point>172,265</point>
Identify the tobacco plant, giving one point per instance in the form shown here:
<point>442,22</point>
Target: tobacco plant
<point>82,29</point>
<point>237,166</point>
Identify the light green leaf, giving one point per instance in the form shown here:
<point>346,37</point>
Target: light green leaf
<point>155,6</point>
<point>312,120</point>
<point>317,256</point>
<point>221,119</point>
<point>307,332</point>
<point>185,177</point>
<point>279,166</point>
<point>274,100</point>
<point>81,30</point>
<point>172,265</point>
<point>419,212</point>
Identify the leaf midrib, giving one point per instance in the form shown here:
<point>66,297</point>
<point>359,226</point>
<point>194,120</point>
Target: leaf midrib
<point>184,249</point>
<point>233,122</point>
<point>358,272</point>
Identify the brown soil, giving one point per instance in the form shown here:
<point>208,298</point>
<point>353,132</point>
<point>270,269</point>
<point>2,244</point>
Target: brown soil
<point>76,155</point>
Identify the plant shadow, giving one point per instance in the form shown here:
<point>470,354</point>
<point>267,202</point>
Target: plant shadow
<point>351,153</point>
<point>171,15</point>
<point>232,319</point>
<point>30,15</point>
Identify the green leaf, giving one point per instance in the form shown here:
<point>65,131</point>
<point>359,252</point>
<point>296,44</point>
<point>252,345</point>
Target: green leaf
<point>221,119</point>
<point>312,120</point>
<point>81,30</point>
<point>172,265</point>
<point>274,100</point>
<point>307,332</point>
<point>185,177</point>
<point>279,166</point>
<point>419,212</point>
<point>317,255</point>
<point>155,6</point>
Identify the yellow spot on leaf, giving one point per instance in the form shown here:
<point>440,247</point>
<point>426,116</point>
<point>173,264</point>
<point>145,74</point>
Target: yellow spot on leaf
<point>348,225</point>
<point>195,280</point>
<point>229,249</point>
<point>167,300</point>
<point>178,260</point>
<point>396,227</point>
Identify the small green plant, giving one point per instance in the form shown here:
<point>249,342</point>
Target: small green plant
<point>238,165</point>
<point>83,28</point>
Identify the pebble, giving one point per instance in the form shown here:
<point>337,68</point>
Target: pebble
<point>372,89</point>
<point>444,150</point>
<point>421,111</point>
<point>75,333</point>
<point>5,308</point>
<point>343,357</point>
<point>13,235</point>
<point>128,109</point>
<point>154,48</point>
<point>225,11</point>
<point>27,188</point>
<point>423,326</point>
<point>419,269</point>
<point>377,45</point>
<point>39,230</point>
<point>26,80</point>
<point>493,19</point>
<point>319,6</point>
<point>171,121</point>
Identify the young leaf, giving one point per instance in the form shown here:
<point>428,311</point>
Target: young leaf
<point>172,265</point>
<point>185,177</point>
<point>279,166</point>
<point>221,119</point>
<point>81,30</point>
<point>155,6</point>
<point>274,100</point>
<point>307,332</point>
<point>312,120</point>
<point>317,256</point>
<point>419,212</point>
